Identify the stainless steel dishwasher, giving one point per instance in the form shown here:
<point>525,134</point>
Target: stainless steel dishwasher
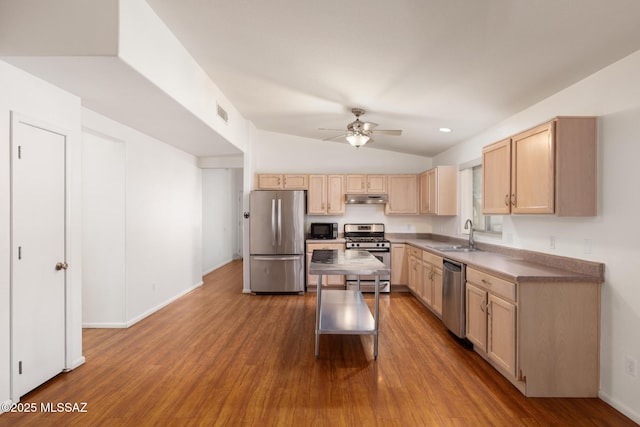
<point>453,297</point>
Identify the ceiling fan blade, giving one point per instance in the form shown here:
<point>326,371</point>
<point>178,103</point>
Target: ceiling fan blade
<point>388,131</point>
<point>334,130</point>
<point>368,126</point>
<point>334,137</point>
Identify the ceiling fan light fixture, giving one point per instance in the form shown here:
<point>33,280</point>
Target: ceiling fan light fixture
<point>357,139</point>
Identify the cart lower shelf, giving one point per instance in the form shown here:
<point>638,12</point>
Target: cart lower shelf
<point>345,312</point>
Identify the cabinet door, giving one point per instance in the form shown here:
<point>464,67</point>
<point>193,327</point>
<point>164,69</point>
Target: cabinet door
<point>335,194</point>
<point>496,178</point>
<point>356,184</point>
<point>414,265</point>
<point>269,182</point>
<point>399,265</point>
<point>432,194</point>
<point>436,299</point>
<point>317,195</point>
<point>427,283</point>
<point>295,182</point>
<point>377,184</point>
<point>501,339</point>
<point>533,170</point>
<point>476,322</point>
<point>424,192</point>
<point>403,195</point>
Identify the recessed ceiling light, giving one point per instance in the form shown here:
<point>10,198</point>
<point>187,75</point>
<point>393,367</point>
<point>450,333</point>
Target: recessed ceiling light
<point>445,130</point>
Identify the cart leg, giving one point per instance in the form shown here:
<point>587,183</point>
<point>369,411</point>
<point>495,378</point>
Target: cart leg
<point>376,319</point>
<point>318,304</point>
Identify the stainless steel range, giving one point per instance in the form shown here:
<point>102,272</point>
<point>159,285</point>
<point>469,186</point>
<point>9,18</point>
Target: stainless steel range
<point>368,237</point>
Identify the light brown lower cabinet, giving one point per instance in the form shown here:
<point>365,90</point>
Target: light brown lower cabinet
<point>329,281</point>
<point>425,278</point>
<point>415,270</point>
<point>542,336</point>
<point>432,282</point>
<point>399,265</point>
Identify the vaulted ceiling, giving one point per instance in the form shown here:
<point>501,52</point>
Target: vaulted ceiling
<point>294,66</point>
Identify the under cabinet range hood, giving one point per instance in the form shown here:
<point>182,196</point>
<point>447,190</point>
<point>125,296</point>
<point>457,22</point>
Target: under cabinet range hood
<point>365,199</point>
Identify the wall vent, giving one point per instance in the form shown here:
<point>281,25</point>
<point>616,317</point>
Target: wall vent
<point>223,114</point>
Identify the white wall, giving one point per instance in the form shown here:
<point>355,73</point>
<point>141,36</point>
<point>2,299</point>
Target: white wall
<point>220,216</point>
<point>37,99</point>
<point>613,94</point>
<point>163,220</point>
<point>103,231</point>
<point>275,152</point>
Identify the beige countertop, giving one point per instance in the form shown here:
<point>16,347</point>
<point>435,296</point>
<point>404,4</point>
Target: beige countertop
<point>518,266</point>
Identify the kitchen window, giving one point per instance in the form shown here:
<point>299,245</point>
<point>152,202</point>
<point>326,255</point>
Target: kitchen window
<point>471,201</point>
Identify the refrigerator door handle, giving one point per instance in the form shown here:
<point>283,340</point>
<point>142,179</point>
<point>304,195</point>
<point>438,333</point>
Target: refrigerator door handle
<point>277,258</point>
<point>279,222</point>
<point>273,222</point>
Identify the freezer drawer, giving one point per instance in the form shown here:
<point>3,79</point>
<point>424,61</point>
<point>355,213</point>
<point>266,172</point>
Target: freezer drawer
<point>277,273</point>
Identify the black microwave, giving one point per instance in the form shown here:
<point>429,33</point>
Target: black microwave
<point>323,230</point>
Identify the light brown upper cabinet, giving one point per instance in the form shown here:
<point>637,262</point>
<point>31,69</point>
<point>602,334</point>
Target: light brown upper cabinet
<point>325,195</point>
<point>439,191</point>
<point>363,184</point>
<point>550,169</point>
<point>281,182</point>
<point>403,195</point>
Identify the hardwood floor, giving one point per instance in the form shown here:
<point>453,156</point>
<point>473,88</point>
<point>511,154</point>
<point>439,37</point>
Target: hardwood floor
<point>220,357</point>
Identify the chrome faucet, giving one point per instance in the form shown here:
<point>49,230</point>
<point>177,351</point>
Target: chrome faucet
<point>468,225</point>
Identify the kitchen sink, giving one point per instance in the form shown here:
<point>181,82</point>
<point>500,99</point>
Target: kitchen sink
<point>455,248</point>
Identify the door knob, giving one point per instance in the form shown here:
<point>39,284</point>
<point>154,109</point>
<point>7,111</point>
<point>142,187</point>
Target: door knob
<point>62,266</point>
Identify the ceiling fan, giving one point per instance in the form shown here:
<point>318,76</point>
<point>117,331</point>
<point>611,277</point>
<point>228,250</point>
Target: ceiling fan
<point>358,132</point>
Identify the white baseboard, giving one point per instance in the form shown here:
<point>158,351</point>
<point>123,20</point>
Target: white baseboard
<point>161,305</point>
<point>133,321</point>
<point>621,407</point>
<point>78,362</point>
<point>104,325</point>
<point>222,264</point>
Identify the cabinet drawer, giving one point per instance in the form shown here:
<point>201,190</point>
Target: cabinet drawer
<point>492,284</point>
<point>416,252</point>
<point>313,246</point>
<point>432,259</point>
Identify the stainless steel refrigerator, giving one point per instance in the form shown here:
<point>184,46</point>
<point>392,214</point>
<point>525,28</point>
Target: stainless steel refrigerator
<point>277,241</point>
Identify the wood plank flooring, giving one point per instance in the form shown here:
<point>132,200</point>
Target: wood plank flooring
<point>220,357</point>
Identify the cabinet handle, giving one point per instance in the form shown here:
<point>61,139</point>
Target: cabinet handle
<point>482,306</point>
<point>506,199</point>
<point>486,282</point>
<point>513,199</point>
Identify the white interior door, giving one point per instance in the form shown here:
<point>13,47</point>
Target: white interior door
<point>38,196</point>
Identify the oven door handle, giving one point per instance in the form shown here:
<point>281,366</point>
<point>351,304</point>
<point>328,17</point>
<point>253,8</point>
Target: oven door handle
<point>370,249</point>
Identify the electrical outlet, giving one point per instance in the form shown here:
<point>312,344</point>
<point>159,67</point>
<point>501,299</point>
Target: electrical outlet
<point>630,366</point>
<point>587,246</point>
<point>552,242</point>
<point>153,287</point>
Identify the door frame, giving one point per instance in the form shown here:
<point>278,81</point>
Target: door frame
<point>15,118</point>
